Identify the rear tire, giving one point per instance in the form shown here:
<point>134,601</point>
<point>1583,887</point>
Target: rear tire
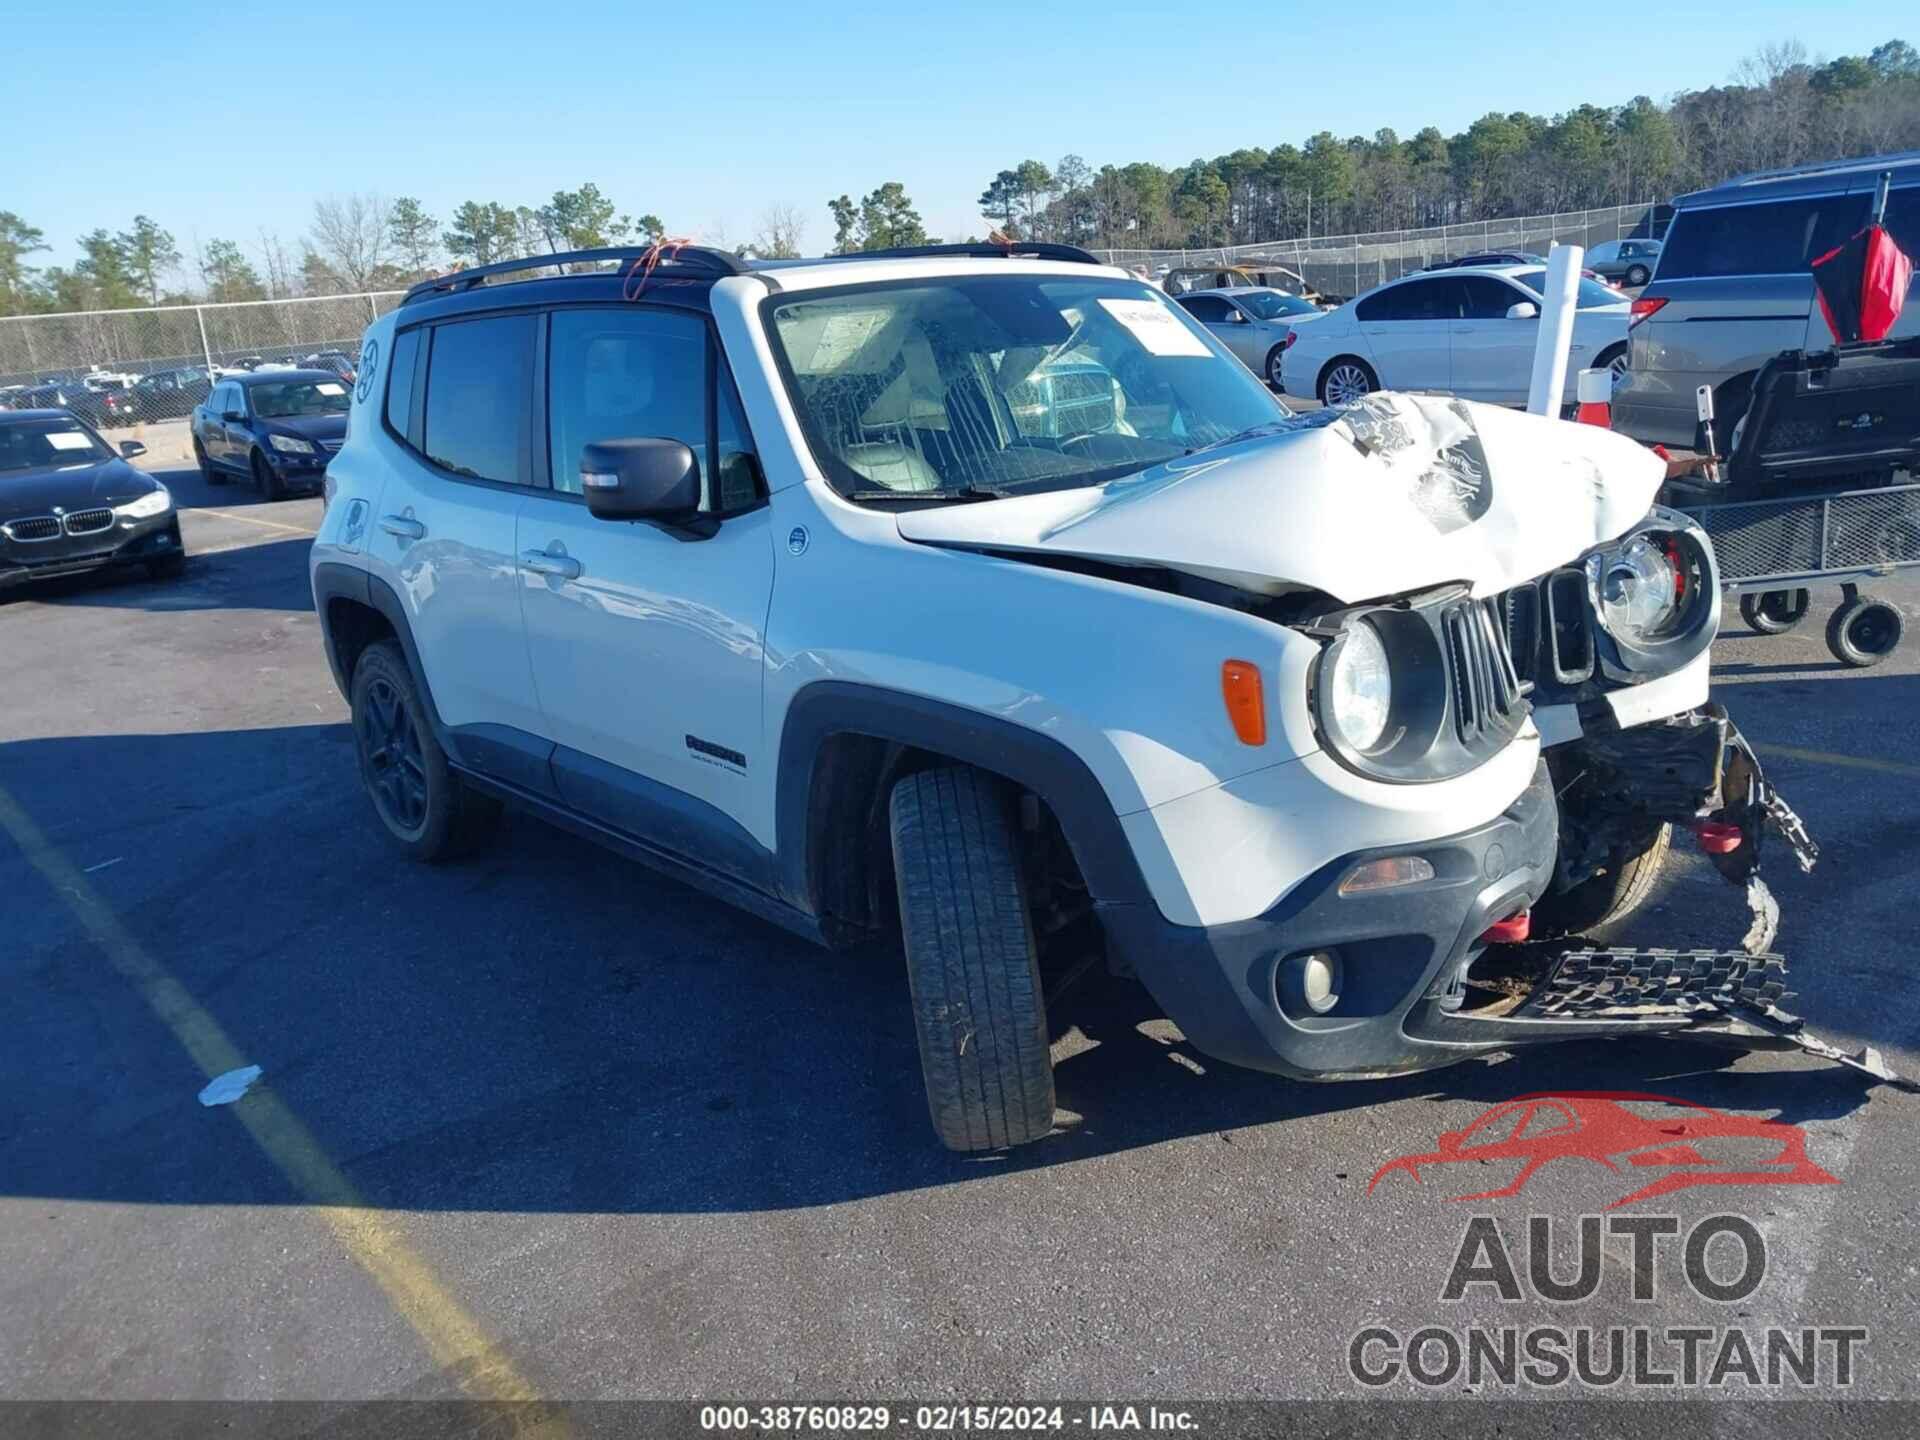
<point>972,962</point>
<point>1774,612</point>
<point>1346,380</point>
<point>426,809</point>
<point>1618,890</point>
<point>207,471</point>
<point>1638,275</point>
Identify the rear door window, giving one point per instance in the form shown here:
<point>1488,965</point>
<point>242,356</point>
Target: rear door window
<point>1208,309</point>
<point>1436,299</point>
<point>479,380</point>
<point>1779,238</point>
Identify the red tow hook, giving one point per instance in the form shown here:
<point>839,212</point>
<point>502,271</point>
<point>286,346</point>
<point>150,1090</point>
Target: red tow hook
<point>1511,931</point>
<point>1719,837</point>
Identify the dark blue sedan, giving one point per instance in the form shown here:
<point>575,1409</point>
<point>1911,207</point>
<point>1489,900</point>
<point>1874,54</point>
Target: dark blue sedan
<point>277,428</point>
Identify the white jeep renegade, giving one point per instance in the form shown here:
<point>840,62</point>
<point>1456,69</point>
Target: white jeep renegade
<point>984,600</point>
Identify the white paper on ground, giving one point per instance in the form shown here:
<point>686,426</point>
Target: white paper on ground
<point>227,1088</point>
<point>1156,327</point>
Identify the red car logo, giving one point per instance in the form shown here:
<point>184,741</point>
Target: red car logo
<point>1596,1125</point>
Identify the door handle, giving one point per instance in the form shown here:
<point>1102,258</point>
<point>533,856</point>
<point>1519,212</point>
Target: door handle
<point>404,526</point>
<point>542,563</point>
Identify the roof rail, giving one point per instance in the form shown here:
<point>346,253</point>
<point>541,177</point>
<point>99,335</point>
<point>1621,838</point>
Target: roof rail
<point>702,258</point>
<point>982,249</point>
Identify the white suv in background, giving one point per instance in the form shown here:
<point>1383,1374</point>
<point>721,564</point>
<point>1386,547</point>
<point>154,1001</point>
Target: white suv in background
<point>984,602</point>
<point>1465,332</point>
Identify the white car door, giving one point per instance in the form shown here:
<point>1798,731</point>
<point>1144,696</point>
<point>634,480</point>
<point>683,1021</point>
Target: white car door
<point>646,645</point>
<point>459,397</point>
<point>1492,354</point>
<point>1408,332</point>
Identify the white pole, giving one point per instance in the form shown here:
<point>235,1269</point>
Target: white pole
<point>1562,293</point>
<point>200,317</point>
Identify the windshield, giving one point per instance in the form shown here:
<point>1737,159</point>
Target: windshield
<point>1590,293</point>
<point>48,444</point>
<point>290,399</point>
<point>1001,384</point>
<point>1272,305</point>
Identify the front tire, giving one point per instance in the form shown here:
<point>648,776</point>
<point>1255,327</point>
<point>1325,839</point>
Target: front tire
<point>266,480</point>
<point>1615,892</point>
<point>426,809</point>
<point>972,963</point>
<point>1274,361</point>
<point>170,567</point>
<point>1864,632</point>
<point>1347,380</point>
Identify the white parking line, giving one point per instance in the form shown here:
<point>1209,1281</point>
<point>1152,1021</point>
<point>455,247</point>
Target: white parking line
<point>250,520</point>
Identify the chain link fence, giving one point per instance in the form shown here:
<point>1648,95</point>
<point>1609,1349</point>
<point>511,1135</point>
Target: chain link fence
<point>1347,265</point>
<point>123,367</point>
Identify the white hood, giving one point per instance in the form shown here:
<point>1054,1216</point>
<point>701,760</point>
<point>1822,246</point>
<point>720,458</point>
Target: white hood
<point>1398,493</point>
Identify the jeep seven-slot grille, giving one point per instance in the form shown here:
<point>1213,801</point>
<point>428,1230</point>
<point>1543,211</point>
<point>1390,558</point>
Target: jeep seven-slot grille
<point>1549,630</point>
<point>1486,692</point>
<point>89,522</point>
<point>38,527</point>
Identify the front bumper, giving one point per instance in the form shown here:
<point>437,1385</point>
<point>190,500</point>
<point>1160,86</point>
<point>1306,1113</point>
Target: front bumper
<point>1403,952</point>
<point>300,472</point>
<point>129,542</point>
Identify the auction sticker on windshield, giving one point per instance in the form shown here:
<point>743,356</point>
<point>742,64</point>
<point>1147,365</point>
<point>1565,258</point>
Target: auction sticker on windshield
<point>1156,327</point>
<point>68,440</point>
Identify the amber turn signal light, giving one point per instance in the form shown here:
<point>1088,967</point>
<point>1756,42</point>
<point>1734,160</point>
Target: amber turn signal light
<point>1246,705</point>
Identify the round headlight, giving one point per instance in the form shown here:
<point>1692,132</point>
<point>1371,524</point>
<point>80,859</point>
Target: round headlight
<point>1359,684</point>
<point>1639,590</point>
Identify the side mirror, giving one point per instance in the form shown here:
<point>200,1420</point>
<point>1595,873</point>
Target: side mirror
<point>650,479</point>
<point>131,448</point>
<point>234,415</point>
<point>1525,310</point>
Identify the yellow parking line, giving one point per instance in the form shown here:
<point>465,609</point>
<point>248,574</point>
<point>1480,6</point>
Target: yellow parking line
<point>250,520</point>
<point>1842,762</point>
<point>455,1340</point>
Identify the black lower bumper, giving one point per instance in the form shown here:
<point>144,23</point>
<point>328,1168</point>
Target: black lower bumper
<point>138,544</point>
<point>1402,951</point>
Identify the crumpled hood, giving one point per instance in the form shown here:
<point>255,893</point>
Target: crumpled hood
<point>1395,494</point>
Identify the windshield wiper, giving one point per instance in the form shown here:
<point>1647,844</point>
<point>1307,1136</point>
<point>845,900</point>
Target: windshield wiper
<point>964,492</point>
<point>1252,432</point>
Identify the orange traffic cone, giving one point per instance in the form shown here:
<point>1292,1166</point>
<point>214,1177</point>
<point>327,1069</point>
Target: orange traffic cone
<point>1596,399</point>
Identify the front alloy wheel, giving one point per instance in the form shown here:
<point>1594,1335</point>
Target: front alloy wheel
<point>396,769</point>
<point>1346,384</point>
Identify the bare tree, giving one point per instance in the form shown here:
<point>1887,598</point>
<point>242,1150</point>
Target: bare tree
<point>352,236</point>
<point>279,267</point>
<point>778,236</point>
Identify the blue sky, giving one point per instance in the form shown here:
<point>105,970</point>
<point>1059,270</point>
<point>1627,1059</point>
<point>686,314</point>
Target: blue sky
<point>707,114</point>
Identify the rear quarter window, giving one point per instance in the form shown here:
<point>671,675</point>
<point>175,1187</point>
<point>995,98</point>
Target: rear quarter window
<point>1777,238</point>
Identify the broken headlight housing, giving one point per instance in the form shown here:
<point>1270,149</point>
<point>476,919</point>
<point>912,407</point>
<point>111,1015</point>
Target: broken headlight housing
<point>1415,690</point>
<point>1656,595</point>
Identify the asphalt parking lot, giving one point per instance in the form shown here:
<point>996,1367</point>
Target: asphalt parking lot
<point>543,1124</point>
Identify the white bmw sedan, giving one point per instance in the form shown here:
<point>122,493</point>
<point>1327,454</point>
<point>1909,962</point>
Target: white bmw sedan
<point>1466,332</point>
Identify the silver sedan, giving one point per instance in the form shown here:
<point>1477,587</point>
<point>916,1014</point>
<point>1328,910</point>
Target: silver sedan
<point>1252,322</point>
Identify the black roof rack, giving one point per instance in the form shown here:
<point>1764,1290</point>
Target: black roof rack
<point>701,258</point>
<point>981,249</point>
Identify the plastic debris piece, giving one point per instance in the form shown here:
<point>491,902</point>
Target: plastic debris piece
<point>1766,917</point>
<point>227,1088</point>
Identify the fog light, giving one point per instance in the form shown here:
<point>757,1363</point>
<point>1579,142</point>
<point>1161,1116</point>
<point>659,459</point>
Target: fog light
<point>1386,874</point>
<point>1310,982</point>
